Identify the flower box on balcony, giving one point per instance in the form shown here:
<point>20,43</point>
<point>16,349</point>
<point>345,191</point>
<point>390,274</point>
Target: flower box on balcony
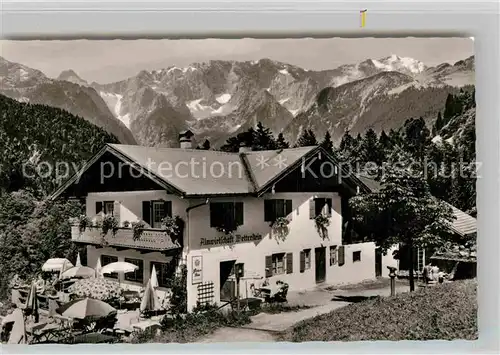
<point>151,239</point>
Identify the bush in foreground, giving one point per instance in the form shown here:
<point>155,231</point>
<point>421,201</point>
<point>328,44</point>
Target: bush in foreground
<point>447,312</point>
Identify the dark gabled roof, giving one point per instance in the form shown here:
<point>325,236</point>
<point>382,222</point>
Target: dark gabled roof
<point>233,173</point>
<point>463,223</point>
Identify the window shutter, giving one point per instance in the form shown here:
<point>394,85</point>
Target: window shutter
<point>269,266</point>
<point>302,261</point>
<point>167,206</point>
<point>98,207</point>
<point>238,210</point>
<point>116,210</point>
<point>214,215</point>
<point>312,208</point>
<point>268,210</point>
<point>289,263</point>
<point>329,203</point>
<point>288,207</point>
<point>280,208</point>
<point>341,255</point>
<point>146,212</point>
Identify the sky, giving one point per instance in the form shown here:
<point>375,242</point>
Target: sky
<point>107,61</point>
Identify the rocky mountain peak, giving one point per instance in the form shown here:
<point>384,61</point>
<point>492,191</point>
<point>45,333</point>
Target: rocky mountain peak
<point>71,76</point>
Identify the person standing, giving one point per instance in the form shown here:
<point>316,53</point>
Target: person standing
<point>426,272</point>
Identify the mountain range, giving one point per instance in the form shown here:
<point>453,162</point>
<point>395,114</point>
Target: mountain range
<point>218,99</point>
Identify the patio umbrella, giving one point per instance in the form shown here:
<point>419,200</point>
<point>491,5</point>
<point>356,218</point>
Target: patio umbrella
<point>87,307</point>
<point>55,264</point>
<point>119,267</point>
<point>98,268</point>
<point>78,272</point>
<point>149,301</point>
<point>65,266</point>
<point>154,277</point>
<point>32,302</point>
<point>78,261</point>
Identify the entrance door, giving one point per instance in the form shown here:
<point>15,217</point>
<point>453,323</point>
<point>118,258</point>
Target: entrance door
<point>227,280</point>
<point>378,262</point>
<point>320,260</point>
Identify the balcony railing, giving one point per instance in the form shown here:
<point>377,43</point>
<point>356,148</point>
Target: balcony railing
<point>151,239</point>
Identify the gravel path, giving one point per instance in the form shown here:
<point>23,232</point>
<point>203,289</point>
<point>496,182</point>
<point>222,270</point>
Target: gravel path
<point>228,335</point>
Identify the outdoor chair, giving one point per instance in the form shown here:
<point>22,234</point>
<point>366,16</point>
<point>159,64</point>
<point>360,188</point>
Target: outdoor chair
<point>104,323</point>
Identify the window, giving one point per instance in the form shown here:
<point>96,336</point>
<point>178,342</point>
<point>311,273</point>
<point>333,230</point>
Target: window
<point>274,209</point>
<point>109,207</point>
<point>279,264</point>
<point>105,260</point>
<point>154,211</point>
<point>320,205</point>
<point>164,272</point>
<point>333,255</point>
<point>305,260</point>
<point>106,207</point>
<point>356,256</point>
<point>158,213</point>
<point>137,275</point>
<point>226,215</point>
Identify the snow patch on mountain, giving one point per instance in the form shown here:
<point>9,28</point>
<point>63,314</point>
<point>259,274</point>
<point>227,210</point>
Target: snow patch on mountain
<point>223,99</point>
<point>185,70</point>
<point>23,74</point>
<point>396,63</point>
<point>284,72</point>
<point>114,103</point>
<point>201,111</point>
<point>437,139</point>
<point>237,127</point>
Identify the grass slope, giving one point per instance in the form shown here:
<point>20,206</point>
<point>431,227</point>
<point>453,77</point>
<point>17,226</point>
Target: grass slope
<point>446,312</point>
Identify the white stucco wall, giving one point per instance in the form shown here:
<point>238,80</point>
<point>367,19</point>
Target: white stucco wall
<point>302,235</point>
<point>388,260</point>
<point>131,203</point>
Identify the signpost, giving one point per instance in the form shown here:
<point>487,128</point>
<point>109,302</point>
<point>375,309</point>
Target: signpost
<point>197,269</point>
<point>238,273</point>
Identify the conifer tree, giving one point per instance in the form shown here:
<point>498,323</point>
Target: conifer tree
<point>327,143</point>
<point>263,138</point>
<point>369,149</point>
<point>346,143</point>
<point>206,145</point>
<point>281,143</point>
<point>307,138</point>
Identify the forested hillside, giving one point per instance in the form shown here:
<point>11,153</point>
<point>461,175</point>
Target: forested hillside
<point>36,139</point>
<point>38,135</point>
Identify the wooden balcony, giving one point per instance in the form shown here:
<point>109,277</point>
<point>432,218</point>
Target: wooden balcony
<point>151,239</point>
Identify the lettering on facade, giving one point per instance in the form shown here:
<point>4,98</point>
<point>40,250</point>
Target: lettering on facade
<point>197,270</point>
<point>231,239</point>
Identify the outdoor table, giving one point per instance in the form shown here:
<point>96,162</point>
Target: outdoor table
<point>43,332</point>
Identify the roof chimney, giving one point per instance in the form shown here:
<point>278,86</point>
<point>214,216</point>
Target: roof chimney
<point>244,148</point>
<point>185,139</point>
